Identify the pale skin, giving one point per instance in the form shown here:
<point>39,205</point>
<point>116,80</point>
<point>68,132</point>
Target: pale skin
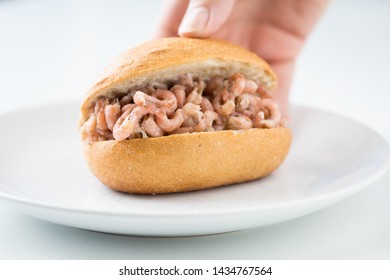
<point>274,29</point>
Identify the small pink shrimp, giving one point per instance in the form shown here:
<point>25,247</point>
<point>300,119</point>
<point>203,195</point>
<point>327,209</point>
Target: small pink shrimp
<point>238,122</point>
<point>216,101</point>
<point>237,85</point>
<point>200,127</point>
<point>148,102</point>
<point>98,105</point>
<point>122,118</point>
<point>215,120</point>
<point>204,124</point>
<point>169,124</point>
<point>127,125</point>
<point>151,128</point>
<point>248,104</point>
<point>226,95</point>
<point>250,86</point>
<point>101,123</point>
<point>210,117</point>
<point>243,102</point>
<point>263,93</point>
<point>88,130</point>
<point>260,121</point>
<point>152,104</point>
<point>130,106</point>
<point>168,99</point>
<point>195,96</point>
<point>112,112</point>
<point>192,114</point>
<point>180,94</point>
<point>227,108</point>
<point>272,108</point>
<point>270,115</point>
<point>206,105</point>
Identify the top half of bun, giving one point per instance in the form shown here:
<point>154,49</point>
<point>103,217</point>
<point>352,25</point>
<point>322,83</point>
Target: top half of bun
<point>163,60</point>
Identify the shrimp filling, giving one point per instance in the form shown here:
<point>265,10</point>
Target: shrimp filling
<point>188,105</point>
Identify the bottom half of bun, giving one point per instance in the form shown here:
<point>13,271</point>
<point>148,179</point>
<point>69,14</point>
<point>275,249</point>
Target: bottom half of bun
<point>185,162</point>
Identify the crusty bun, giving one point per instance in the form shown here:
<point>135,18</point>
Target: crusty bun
<point>184,162</point>
<point>165,59</point>
<point>191,161</point>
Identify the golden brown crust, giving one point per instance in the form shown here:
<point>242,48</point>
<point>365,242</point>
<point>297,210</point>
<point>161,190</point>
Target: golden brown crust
<point>169,57</point>
<point>186,162</point>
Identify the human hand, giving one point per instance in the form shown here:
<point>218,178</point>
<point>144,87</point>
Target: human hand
<point>274,29</point>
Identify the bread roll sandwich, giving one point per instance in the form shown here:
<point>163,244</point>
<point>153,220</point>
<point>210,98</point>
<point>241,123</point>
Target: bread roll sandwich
<point>180,114</point>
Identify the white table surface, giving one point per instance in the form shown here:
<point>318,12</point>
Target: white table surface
<point>51,51</point>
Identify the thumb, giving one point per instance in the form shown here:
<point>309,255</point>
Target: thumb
<point>204,17</point>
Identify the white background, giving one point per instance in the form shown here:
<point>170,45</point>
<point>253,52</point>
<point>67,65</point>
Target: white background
<point>51,51</point>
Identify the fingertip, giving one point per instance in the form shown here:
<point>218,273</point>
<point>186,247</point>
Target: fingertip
<point>194,22</point>
<point>205,17</point>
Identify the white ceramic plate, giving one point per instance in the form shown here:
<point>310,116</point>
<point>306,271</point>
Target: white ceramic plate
<point>43,174</point>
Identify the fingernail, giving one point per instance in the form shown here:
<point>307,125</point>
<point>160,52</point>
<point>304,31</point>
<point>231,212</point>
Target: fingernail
<point>195,20</point>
